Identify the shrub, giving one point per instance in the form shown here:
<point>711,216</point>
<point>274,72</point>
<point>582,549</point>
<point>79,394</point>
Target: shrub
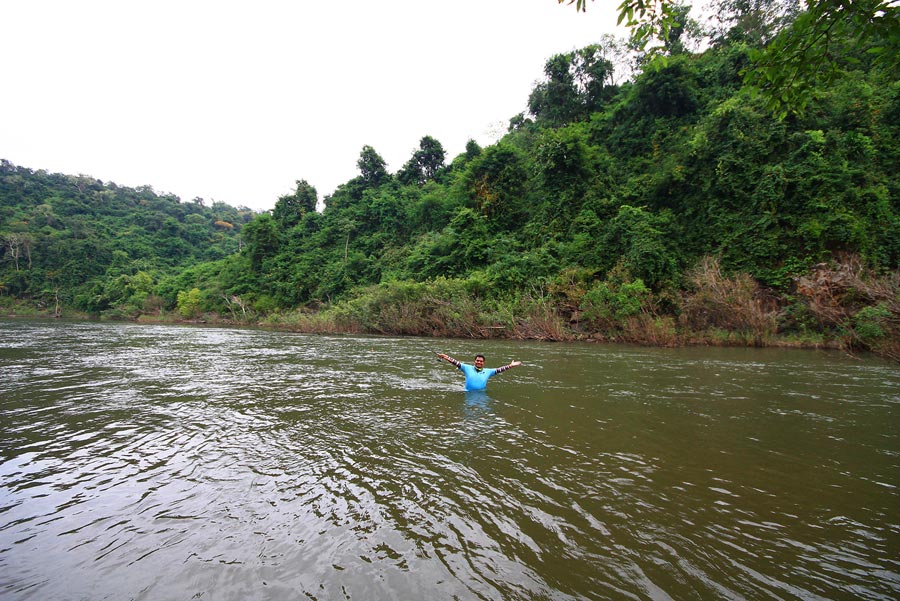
<point>189,303</point>
<point>736,303</point>
<point>848,298</point>
<point>608,304</point>
<point>871,323</point>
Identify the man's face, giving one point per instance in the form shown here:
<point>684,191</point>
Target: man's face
<point>479,362</point>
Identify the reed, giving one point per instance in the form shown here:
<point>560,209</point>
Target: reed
<point>862,307</point>
<point>734,304</point>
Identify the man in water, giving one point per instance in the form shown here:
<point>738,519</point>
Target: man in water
<point>476,375</point>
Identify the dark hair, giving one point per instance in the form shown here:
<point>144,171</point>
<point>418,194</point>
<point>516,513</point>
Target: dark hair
<point>482,356</point>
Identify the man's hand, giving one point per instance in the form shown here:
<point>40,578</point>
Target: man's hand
<point>515,364</point>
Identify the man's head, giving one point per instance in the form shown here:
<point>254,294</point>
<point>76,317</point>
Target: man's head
<point>479,361</point>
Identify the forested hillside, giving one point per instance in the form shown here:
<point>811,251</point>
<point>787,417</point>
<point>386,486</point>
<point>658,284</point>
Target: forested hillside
<point>673,207</point>
<point>77,242</point>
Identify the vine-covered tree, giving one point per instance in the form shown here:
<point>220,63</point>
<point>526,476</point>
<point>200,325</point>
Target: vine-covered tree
<point>576,84</point>
<point>424,164</point>
<point>372,168</point>
<point>290,209</point>
<point>806,49</point>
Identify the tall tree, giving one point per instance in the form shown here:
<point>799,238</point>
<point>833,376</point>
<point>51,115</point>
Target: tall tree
<point>291,208</point>
<point>556,100</point>
<point>800,55</point>
<point>261,239</point>
<point>424,164</point>
<point>593,71</point>
<point>754,20</point>
<point>577,84</point>
<point>372,167</point>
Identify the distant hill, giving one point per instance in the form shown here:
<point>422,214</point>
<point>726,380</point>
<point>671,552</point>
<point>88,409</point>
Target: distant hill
<point>76,234</point>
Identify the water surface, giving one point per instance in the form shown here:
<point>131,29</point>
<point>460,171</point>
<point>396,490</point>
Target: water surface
<point>164,462</point>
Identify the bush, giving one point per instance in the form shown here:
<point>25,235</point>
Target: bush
<point>607,305</point>
<point>606,301</point>
<point>736,303</point>
<point>188,303</point>
<point>871,323</point>
<point>847,297</point>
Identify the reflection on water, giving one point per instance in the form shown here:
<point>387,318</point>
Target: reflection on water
<point>158,462</point>
<point>477,404</point>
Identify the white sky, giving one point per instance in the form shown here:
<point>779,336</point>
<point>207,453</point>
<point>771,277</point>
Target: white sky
<point>235,101</point>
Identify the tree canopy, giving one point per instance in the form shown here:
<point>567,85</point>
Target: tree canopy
<point>799,49</point>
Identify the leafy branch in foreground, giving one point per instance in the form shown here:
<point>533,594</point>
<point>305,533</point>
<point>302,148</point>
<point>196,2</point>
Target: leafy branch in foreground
<point>647,19</point>
<point>805,53</point>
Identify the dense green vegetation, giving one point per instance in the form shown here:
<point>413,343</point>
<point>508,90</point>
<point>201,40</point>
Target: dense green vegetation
<point>787,63</point>
<point>77,242</point>
<point>667,209</point>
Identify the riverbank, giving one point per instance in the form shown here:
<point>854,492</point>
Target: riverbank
<point>842,306</point>
<point>643,332</point>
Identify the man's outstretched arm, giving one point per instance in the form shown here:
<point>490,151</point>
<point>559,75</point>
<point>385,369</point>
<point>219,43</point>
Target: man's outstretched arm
<point>511,365</point>
<point>449,359</point>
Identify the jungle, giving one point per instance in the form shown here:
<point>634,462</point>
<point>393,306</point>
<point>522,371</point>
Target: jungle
<point>687,194</point>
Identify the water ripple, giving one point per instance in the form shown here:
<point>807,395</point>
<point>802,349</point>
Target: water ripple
<point>148,462</point>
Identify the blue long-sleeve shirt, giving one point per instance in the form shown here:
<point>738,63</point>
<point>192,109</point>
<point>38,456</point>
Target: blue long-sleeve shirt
<point>476,379</point>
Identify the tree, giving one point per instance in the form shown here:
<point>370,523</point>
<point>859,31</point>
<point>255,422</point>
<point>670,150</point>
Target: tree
<point>424,164</point>
<point>755,21</point>
<point>15,245</point>
<point>496,182</point>
<point>261,239</point>
<point>593,74</point>
<point>556,100</point>
<point>638,238</point>
<point>667,91</point>
<point>189,303</point>
<point>372,167</point>
<point>809,52</point>
<point>562,160</point>
<point>290,209</point>
<point>681,25</point>
<point>472,149</point>
<point>802,55</point>
<point>577,84</point>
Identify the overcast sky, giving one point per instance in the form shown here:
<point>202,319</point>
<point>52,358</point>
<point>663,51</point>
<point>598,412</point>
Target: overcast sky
<point>236,101</point>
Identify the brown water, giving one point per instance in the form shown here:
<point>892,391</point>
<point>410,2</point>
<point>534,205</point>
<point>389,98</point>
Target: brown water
<point>158,462</point>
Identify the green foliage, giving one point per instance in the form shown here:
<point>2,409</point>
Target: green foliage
<point>372,167</point>
<point>89,239</point>
<point>290,210</point>
<point>591,213</point>
<point>613,302</point>
<point>562,160</point>
<point>514,268</point>
<point>667,90</point>
<point>425,163</point>
<point>648,20</point>
<point>262,239</point>
<point>813,51</point>
<point>495,183</point>
<point>638,238</point>
<point>189,303</point>
<point>577,84</point>
<point>131,291</point>
<point>870,323</point>
<point>804,50</point>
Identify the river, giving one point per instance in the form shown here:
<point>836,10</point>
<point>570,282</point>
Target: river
<point>160,462</point>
